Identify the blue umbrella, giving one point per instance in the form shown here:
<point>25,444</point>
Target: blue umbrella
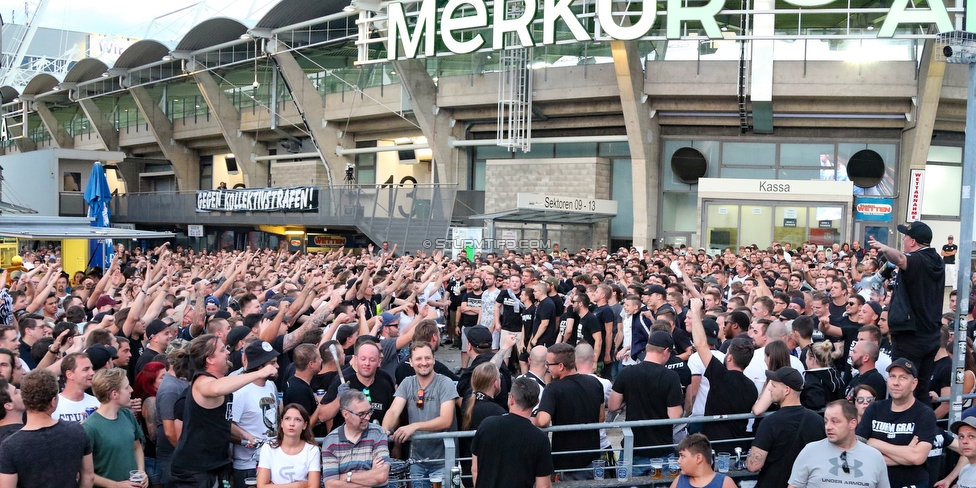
<point>98,194</point>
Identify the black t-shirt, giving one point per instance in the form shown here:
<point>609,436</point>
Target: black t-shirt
<point>589,325</point>
<point>570,320</point>
<point>528,318</point>
<point>574,399</point>
<point>949,248</point>
<point>504,379</point>
<point>730,392</point>
<point>299,392</point>
<point>836,311</point>
<point>783,435</point>
<point>681,338</point>
<point>510,320</point>
<point>679,366</point>
<point>8,430</point>
<point>546,310</point>
<point>941,377</point>
<point>649,389</point>
<point>322,381</point>
<point>370,303</point>
<point>50,456</point>
<point>924,279</point>
<point>483,408</point>
<point>471,299</point>
<point>506,464</point>
<point>559,302</point>
<point>380,395</point>
<point>455,288</point>
<point>137,349</point>
<point>872,378</point>
<point>899,428</point>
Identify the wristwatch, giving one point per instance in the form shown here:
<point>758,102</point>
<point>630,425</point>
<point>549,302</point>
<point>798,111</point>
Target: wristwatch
<point>52,350</point>
<point>349,477</point>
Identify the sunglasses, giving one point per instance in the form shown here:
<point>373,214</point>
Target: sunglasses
<point>368,398</point>
<point>420,399</point>
<point>864,400</point>
<point>846,467</point>
<point>850,304</point>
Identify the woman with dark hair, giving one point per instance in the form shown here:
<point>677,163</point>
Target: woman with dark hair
<point>147,383</point>
<point>861,396</point>
<point>777,356</point>
<point>821,382</point>
<point>293,447</point>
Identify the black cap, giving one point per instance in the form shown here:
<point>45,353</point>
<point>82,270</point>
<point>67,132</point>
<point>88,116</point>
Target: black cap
<point>236,335</point>
<point>905,364</point>
<point>479,337</point>
<point>876,307</point>
<point>658,289</point>
<point>101,355</point>
<point>259,353</point>
<point>920,231</point>
<point>155,327</point>
<point>661,339</point>
<point>711,331</point>
<point>787,376</point>
<point>788,314</point>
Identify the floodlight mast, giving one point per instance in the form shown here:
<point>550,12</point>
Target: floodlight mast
<point>959,47</point>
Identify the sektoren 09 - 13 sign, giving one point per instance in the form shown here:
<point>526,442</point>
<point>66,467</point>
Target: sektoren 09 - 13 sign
<point>291,199</point>
<point>459,27</point>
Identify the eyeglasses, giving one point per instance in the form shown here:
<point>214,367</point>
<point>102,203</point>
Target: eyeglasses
<point>364,415</point>
<point>864,400</point>
<point>549,365</point>
<point>420,399</point>
<point>846,467</point>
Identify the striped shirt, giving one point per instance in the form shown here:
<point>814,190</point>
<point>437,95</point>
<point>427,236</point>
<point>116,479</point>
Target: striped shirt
<point>339,455</point>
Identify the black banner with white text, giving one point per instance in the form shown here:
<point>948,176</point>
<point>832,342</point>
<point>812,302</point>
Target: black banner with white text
<point>291,199</point>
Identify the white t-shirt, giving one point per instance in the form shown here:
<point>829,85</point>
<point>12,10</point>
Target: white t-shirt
<point>967,477</point>
<point>288,469</point>
<point>698,369</point>
<point>628,340</point>
<point>72,411</point>
<point>255,410</point>
<point>607,388</point>
<point>756,371</point>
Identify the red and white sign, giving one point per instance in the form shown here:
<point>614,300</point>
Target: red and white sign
<point>874,208</point>
<point>915,185</point>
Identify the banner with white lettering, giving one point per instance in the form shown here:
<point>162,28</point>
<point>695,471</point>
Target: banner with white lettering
<point>290,199</point>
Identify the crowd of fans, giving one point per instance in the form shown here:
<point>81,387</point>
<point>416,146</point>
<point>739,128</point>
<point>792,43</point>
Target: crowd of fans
<point>147,372</point>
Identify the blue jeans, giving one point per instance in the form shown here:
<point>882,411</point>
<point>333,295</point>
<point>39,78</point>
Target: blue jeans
<point>641,466</point>
<point>427,470</point>
<point>153,471</point>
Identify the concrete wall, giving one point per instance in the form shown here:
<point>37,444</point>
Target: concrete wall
<point>303,173</point>
<point>571,177</point>
<point>32,180</point>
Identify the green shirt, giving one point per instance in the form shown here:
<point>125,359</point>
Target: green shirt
<point>112,443</point>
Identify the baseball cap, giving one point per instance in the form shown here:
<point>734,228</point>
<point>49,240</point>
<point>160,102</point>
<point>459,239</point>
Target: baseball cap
<point>105,300</point>
<point>101,355</point>
<point>788,314</point>
<point>552,281</point>
<point>259,353</point>
<point>656,289</point>
<point>787,376</point>
<point>236,335</point>
<point>478,336</point>
<point>711,331</point>
<point>970,421</point>
<point>950,237</point>
<point>155,327</point>
<point>387,318</point>
<point>920,231</point>
<point>905,364</point>
<point>661,339</point>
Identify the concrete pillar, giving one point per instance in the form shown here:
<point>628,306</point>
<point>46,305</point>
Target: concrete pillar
<point>107,132</point>
<point>438,125</point>
<point>643,133</point>
<point>60,136</point>
<point>244,146</point>
<point>186,163</point>
<point>917,136</point>
<point>326,137</point>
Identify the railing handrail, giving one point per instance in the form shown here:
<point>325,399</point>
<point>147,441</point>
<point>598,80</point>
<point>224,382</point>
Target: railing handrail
<point>333,187</point>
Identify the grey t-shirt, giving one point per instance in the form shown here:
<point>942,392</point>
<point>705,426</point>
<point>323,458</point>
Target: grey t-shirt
<point>819,466</point>
<point>440,390</point>
<point>169,391</point>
